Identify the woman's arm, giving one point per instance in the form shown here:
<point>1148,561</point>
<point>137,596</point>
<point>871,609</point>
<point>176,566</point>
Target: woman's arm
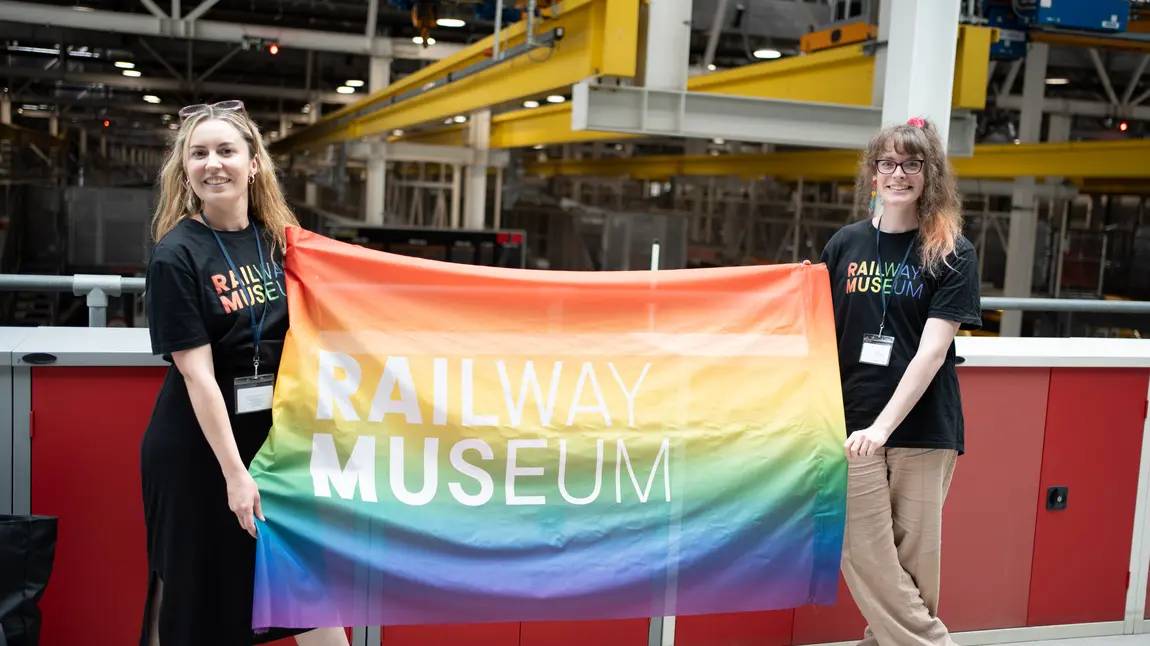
<point>211,412</point>
<point>937,336</point>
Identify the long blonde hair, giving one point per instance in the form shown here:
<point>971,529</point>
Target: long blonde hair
<point>939,206</point>
<point>178,201</point>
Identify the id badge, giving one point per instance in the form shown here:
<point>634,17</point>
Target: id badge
<point>876,349</point>
<point>254,394</point>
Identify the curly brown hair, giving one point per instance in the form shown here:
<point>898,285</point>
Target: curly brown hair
<point>177,200</point>
<point>939,206</point>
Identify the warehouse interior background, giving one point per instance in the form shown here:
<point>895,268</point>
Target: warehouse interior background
<point>562,136</point>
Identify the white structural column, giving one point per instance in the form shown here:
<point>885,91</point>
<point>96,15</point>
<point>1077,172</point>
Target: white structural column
<point>1023,213</point>
<point>376,189</point>
<point>479,139</point>
<point>668,50</point>
<point>919,70</point>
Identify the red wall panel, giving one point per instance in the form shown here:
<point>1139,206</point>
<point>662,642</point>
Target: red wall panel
<point>87,425</point>
<point>88,422</point>
<point>989,516</point>
<point>503,634</point>
<point>735,629</point>
<point>86,471</point>
<point>820,624</point>
<point>1093,446</point>
<point>622,632</point>
<point>988,523</point>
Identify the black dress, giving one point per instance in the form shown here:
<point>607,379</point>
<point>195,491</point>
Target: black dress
<point>195,543</point>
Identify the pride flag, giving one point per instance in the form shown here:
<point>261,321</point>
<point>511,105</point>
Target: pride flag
<point>458,444</point>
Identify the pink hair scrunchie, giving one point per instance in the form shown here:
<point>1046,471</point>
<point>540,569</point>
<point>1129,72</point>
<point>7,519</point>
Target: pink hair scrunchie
<point>916,122</point>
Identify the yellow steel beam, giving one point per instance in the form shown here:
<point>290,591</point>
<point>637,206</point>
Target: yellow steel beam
<point>600,38</point>
<point>1080,161</point>
<point>834,76</point>
<point>546,125</point>
<point>1117,43</point>
<point>844,76</point>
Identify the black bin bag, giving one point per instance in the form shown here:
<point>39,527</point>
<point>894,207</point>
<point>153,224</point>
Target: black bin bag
<point>27,552</point>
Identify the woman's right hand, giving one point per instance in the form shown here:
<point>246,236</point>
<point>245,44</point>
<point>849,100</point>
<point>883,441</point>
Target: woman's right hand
<point>244,501</point>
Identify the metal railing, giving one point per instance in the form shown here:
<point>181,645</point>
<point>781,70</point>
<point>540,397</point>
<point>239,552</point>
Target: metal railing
<point>1064,305</point>
<point>97,288</point>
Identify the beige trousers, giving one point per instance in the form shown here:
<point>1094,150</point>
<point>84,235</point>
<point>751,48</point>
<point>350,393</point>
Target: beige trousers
<point>893,544</point>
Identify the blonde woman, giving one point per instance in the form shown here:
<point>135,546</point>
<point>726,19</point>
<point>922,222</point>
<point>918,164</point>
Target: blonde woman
<point>217,311</point>
<point>903,281</point>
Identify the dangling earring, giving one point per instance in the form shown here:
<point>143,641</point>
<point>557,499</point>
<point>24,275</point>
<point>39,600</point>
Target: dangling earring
<point>190,200</point>
<point>251,179</point>
<point>873,194</point>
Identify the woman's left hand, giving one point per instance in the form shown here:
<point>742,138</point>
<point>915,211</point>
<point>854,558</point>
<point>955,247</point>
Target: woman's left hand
<point>866,442</point>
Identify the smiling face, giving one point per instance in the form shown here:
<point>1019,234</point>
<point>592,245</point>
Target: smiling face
<point>219,163</point>
<point>900,177</point>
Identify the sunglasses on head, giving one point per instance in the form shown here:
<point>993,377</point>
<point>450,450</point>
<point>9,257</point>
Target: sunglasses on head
<point>222,106</point>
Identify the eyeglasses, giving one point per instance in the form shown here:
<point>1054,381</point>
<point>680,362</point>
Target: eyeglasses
<point>222,106</point>
<point>910,166</point>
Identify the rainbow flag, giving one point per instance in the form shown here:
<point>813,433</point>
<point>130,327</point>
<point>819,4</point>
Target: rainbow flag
<point>459,444</point>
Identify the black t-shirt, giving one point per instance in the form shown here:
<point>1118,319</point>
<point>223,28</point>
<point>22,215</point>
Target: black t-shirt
<point>857,283</point>
<point>195,298</point>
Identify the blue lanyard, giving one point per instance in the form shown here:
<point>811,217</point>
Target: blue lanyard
<point>878,253</point>
<point>257,330</point>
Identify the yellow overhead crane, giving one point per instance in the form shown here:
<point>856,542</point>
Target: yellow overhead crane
<point>842,75</point>
<point>583,39</point>
<point>572,41</point>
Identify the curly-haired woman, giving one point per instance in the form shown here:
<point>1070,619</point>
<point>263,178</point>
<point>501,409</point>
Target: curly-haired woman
<point>904,281</point>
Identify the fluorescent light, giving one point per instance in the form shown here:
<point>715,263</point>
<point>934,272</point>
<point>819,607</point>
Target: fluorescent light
<point>397,133</point>
<point>1057,81</point>
<point>354,83</point>
<point>555,98</point>
<point>132,73</point>
<point>767,53</point>
<point>125,65</point>
<point>343,89</point>
<point>151,98</point>
<point>459,119</point>
<point>531,104</point>
<point>450,22</point>
<point>418,40</point>
<point>711,67</point>
<point>78,53</point>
